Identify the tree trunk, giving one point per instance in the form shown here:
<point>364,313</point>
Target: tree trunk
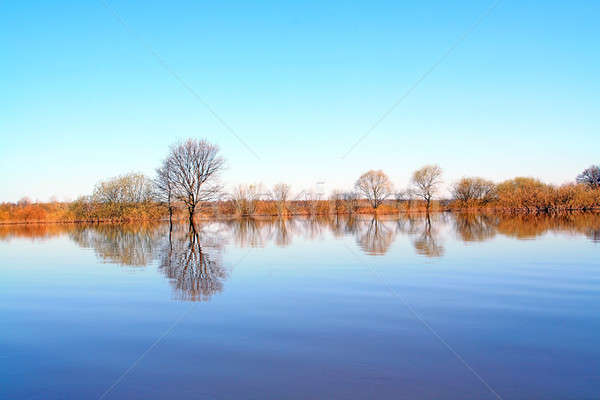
<point>191,210</point>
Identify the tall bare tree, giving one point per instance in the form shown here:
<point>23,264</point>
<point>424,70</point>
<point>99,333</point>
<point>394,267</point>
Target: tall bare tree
<point>375,186</point>
<point>590,177</point>
<point>426,182</point>
<point>195,168</point>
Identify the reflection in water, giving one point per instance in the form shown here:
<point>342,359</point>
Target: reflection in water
<point>124,244</point>
<point>284,230</point>
<point>474,227</point>
<point>427,244</point>
<point>248,232</point>
<point>375,237</point>
<point>33,231</point>
<point>424,229</point>
<point>192,261</point>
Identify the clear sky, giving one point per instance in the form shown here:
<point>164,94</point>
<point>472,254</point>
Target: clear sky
<point>83,98</point>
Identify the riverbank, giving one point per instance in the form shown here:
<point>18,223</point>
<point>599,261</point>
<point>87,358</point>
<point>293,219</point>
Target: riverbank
<point>383,211</point>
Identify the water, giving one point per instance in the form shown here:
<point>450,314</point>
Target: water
<point>457,307</point>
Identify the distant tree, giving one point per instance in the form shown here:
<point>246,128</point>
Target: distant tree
<point>401,196</point>
<point>426,182</point>
<point>281,194</point>
<point>471,190</point>
<point>311,199</point>
<point>350,201</point>
<point>590,177</point>
<point>246,197</point>
<point>375,186</point>
<point>196,166</point>
<point>337,198</point>
<point>24,201</point>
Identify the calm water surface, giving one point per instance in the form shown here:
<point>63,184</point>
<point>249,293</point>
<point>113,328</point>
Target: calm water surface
<point>454,307</point>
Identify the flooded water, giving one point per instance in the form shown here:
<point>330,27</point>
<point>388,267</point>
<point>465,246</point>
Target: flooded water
<point>450,307</point>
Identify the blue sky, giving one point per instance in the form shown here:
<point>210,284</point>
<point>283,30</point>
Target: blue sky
<point>82,98</point>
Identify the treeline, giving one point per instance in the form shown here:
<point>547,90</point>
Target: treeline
<point>187,185</point>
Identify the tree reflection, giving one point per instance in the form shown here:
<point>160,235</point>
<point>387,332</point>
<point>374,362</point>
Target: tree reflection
<point>193,264</point>
<point>283,231</point>
<point>475,227</point>
<point>424,228</point>
<point>248,231</point>
<point>376,237</point>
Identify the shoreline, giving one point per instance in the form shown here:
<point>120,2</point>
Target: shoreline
<point>492,211</point>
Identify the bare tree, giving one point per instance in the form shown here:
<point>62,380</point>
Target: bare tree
<point>196,166</point>
<point>426,182</point>
<point>280,194</point>
<point>164,183</point>
<point>590,177</point>
<point>375,186</point>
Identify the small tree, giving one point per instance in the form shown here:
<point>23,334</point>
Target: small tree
<point>375,186</point>
<point>590,177</point>
<point>125,189</point>
<point>474,190</point>
<point>426,182</point>
<point>337,198</point>
<point>123,194</point>
<point>280,194</point>
<point>164,183</point>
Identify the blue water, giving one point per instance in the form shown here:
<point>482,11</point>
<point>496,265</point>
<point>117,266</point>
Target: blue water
<point>457,307</point>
